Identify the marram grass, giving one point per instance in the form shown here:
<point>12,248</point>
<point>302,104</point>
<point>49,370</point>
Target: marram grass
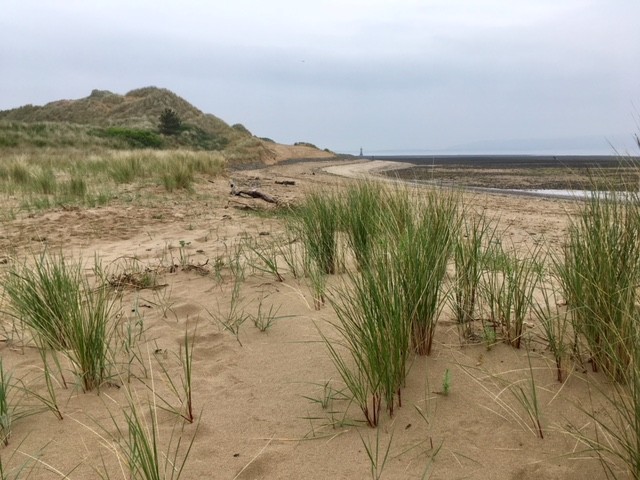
<point>53,298</point>
<point>599,275</point>
<point>317,222</point>
<point>44,178</point>
<point>508,289</point>
<point>361,218</point>
<point>423,251</point>
<point>377,334</point>
<point>140,447</point>
<point>6,407</point>
<point>471,250</point>
<point>389,305</point>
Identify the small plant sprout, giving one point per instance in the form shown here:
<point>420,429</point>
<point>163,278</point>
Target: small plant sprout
<point>163,300</point>
<point>317,284</point>
<point>267,261</point>
<point>446,383</point>
<point>489,336</point>
<point>130,333</point>
<point>185,257</point>
<point>265,318</point>
<point>14,404</point>
<point>236,261</point>
<point>377,456</point>
<point>138,445</point>
<point>235,317</point>
<point>183,391</point>
<point>327,395</point>
<point>555,322</point>
<point>49,400</point>
<point>288,251</point>
<point>6,408</point>
<point>332,417</point>
<point>528,398</point>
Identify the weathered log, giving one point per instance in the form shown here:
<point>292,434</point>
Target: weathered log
<point>257,194</point>
<point>253,194</point>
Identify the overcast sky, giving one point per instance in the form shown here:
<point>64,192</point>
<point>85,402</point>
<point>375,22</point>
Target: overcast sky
<point>396,75</point>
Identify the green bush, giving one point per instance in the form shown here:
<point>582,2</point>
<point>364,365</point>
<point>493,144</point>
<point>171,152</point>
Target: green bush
<point>241,128</point>
<point>199,138</point>
<point>135,138</point>
<point>170,122</point>
<point>305,144</point>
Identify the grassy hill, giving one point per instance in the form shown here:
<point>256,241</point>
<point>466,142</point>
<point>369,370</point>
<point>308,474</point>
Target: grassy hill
<point>106,119</point>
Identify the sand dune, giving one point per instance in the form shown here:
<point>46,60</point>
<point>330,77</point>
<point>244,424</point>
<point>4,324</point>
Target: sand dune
<point>258,397</point>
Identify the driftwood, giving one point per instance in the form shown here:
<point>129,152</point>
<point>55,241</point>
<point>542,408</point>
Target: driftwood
<point>285,182</point>
<point>253,194</point>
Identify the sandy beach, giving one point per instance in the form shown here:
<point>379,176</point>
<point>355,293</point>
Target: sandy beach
<point>270,405</point>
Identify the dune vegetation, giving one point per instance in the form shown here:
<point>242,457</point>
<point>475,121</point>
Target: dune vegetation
<point>402,257</point>
<point>139,347</point>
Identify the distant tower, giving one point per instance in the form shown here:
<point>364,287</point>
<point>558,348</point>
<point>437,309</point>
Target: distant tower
<point>360,151</point>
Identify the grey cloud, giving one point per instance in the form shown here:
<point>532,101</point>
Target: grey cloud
<point>425,74</point>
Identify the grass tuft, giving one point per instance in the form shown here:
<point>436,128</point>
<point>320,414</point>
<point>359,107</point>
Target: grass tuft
<point>6,408</point>
<point>141,447</point>
<point>599,277</point>
<point>389,306</point>
<point>316,223</point>
<point>54,300</point>
<point>470,256</point>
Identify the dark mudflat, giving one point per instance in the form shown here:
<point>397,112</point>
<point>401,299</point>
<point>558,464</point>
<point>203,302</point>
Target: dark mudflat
<point>577,172</point>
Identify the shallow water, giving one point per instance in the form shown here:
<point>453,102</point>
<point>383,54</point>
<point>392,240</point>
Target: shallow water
<point>570,194</point>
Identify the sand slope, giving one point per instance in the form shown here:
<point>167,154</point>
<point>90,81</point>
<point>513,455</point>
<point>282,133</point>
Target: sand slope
<point>255,420</point>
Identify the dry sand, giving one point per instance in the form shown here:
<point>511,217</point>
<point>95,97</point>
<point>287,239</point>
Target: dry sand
<point>255,417</point>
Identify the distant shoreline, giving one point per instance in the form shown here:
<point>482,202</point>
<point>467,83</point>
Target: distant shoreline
<point>556,176</point>
<point>506,161</point>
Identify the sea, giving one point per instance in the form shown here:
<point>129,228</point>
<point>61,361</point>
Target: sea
<point>510,160</point>
<point>528,161</point>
